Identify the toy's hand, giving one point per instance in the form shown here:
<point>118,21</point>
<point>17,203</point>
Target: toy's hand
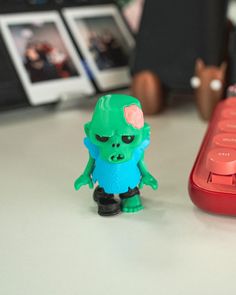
<point>83,180</point>
<point>148,179</point>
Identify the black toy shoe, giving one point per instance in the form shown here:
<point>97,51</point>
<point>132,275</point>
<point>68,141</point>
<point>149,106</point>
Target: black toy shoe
<point>99,193</point>
<point>107,205</point>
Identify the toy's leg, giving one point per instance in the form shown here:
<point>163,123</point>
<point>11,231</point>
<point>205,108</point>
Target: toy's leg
<point>99,193</point>
<point>147,87</point>
<point>107,205</point>
<point>131,201</point>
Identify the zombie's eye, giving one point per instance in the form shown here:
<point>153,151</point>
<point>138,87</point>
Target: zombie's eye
<point>102,138</point>
<point>127,138</point>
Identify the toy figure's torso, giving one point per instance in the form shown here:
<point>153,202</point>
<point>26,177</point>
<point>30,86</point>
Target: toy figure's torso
<point>116,178</point>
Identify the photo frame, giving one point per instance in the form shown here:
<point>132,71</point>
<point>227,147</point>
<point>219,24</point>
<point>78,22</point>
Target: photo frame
<point>105,41</point>
<point>44,56</point>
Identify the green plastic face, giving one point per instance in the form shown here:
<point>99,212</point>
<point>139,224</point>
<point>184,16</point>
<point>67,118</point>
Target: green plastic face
<point>117,127</point>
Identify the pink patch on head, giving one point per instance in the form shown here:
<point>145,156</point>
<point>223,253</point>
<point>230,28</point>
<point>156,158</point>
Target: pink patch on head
<point>134,116</point>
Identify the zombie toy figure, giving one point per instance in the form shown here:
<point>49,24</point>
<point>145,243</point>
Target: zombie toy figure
<point>116,139</point>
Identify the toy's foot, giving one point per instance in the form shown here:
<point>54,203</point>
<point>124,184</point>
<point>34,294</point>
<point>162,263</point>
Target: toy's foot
<point>107,205</point>
<point>147,87</point>
<point>131,205</point>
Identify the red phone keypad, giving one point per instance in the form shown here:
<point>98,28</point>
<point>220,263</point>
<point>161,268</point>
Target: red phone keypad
<point>212,183</point>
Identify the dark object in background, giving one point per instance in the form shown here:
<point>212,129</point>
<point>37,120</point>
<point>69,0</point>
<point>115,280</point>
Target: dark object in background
<point>11,91</point>
<point>173,34</point>
<point>232,56</point>
<point>14,6</point>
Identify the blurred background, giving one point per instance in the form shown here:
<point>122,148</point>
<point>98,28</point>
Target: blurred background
<point>178,58</point>
<point>154,53</point>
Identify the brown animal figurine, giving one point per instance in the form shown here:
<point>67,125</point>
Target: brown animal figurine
<point>209,86</point>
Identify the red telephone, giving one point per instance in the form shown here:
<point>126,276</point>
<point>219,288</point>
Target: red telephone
<point>212,182</point>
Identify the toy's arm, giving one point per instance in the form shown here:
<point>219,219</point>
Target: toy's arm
<point>85,178</point>
<point>147,178</point>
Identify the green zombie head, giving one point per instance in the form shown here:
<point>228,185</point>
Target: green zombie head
<point>117,127</point>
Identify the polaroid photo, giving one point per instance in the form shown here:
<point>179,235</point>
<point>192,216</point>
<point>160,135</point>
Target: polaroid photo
<point>105,41</point>
<point>44,56</point>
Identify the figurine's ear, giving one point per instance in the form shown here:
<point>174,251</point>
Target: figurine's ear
<point>199,65</point>
<point>146,131</point>
<point>87,128</point>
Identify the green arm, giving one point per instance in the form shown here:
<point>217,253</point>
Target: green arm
<point>146,178</point>
<point>85,178</point>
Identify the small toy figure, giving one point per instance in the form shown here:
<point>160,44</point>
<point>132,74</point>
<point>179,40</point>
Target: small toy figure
<point>117,137</point>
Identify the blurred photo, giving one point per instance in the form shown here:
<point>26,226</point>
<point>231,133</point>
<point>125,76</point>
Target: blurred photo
<point>42,51</point>
<point>47,63</point>
<point>105,41</point>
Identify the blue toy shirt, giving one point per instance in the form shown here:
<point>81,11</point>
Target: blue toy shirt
<point>116,178</point>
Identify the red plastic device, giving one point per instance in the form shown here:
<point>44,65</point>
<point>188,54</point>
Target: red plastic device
<point>212,182</point>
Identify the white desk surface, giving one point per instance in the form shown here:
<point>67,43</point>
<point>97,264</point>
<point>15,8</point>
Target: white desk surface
<point>52,242</point>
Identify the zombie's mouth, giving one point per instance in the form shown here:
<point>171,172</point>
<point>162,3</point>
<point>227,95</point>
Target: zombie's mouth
<point>117,158</point>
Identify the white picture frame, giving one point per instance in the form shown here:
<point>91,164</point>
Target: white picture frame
<point>92,22</point>
<point>44,56</point>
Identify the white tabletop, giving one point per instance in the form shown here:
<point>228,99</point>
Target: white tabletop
<point>52,242</point>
